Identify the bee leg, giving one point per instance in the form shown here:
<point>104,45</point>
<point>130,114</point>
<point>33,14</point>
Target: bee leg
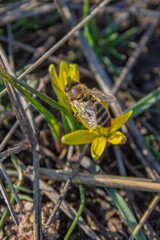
<point>66,99</point>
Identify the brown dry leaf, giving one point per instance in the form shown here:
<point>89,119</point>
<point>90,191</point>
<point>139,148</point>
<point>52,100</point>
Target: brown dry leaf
<point>25,230</point>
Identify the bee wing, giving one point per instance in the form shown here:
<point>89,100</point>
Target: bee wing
<point>87,115</point>
<point>101,96</point>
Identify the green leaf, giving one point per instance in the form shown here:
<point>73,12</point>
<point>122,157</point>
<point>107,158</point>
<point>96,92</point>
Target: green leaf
<point>66,125</point>
<point>122,37</point>
<point>78,213</point>
<point>15,83</point>
<point>110,66</point>
<point>116,54</point>
<point>23,189</point>
<point>108,40</point>
<point>94,30</point>
<point>50,119</point>
<point>25,197</point>
<point>85,8</point>
<point>88,35</point>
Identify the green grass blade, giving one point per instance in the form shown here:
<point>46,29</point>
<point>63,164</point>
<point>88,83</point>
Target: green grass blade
<point>85,9</point>
<point>78,213</point>
<point>6,212</point>
<point>116,54</point>
<point>110,66</point>
<point>23,189</point>
<point>109,39</point>
<point>124,36</point>
<point>145,103</point>
<point>15,83</point>
<point>50,119</point>
<point>25,197</point>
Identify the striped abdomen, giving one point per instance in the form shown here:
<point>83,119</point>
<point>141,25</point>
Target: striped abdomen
<point>102,116</point>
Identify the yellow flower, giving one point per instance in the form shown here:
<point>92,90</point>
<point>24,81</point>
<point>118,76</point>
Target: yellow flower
<point>59,81</point>
<point>100,136</point>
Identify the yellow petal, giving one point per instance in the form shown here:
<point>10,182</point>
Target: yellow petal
<point>74,72</point>
<point>116,123</point>
<point>56,83</point>
<point>117,138</point>
<point>78,137</point>
<point>63,72</point>
<point>79,118</point>
<point>52,69</point>
<point>98,146</point>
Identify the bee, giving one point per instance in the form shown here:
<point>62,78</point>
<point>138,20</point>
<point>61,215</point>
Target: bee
<point>88,104</point>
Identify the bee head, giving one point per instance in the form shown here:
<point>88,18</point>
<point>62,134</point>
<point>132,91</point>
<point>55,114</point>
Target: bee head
<point>70,85</point>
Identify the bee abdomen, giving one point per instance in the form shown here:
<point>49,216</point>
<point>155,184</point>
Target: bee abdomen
<point>92,104</point>
<point>103,118</point>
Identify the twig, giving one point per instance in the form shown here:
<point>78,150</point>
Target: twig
<point>5,196</point>
<point>119,158</point>
<point>13,16</point>
<point>146,214</point>
<point>8,136</point>
<point>131,168</point>
<point>38,53</point>
<point>134,11</point>
<point>68,161</point>
<point>28,130</point>
<point>48,153</point>
<point>148,126</point>
<point>10,49</point>
<point>21,146</point>
<point>66,187</point>
<point>64,39</point>
<point>10,185</point>
<point>4,91</point>
<point>9,7</point>
<point>65,207</point>
<point>60,11</point>
<point>14,127</point>
<point>100,180</point>
<point>148,168</point>
<point>152,235</point>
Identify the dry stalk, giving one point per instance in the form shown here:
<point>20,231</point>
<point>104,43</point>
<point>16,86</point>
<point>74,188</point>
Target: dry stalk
<point>7,201</point>
<point>65,207</point>
<point>101,180</point>
<point>146,214</point>
<point>64,39</point>
<point>29,133</point>
<point>134,57</point>
<point>12,16</point>
<point>66,187</point>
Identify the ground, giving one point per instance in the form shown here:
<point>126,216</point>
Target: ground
<point>39,33</point>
